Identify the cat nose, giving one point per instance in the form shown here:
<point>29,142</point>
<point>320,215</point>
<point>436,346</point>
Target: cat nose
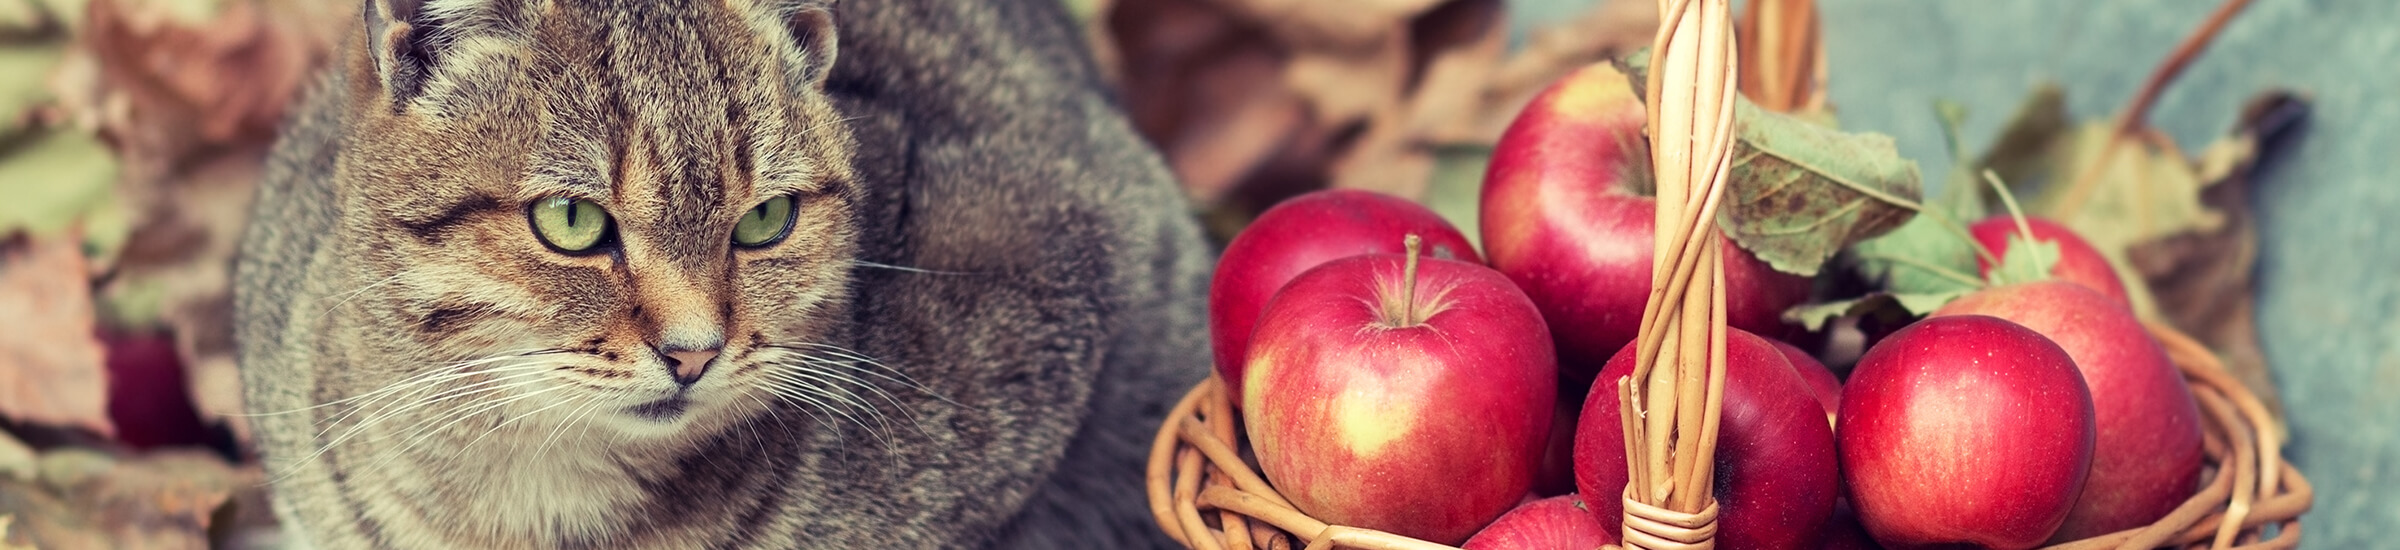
<point>688,364</point>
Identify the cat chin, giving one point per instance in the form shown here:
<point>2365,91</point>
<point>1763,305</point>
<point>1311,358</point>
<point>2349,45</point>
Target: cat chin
<point>670,417</point>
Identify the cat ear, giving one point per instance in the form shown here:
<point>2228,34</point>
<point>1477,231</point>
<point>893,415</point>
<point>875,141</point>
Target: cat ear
<point>398,46</point>
<point>812,28</point>
<point>422,48</point>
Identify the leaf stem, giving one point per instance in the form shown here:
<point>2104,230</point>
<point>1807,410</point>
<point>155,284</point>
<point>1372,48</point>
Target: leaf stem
<point>2136,113</point>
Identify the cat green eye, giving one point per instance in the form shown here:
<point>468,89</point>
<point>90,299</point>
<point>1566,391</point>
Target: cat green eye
<point>764,224</point>
<point>569,225</point>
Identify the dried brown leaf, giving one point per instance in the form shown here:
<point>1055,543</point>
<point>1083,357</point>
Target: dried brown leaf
<point>227,77</point>
<point>52,369</point>
<point>2202,279</point>
<point>2117,191</point>
<point>1610,29</point>
<point>1208,91</point>
<point>6,538</point>
<point>1455,47</point>
<point>1341,86</point>
<point>164,499</point>
<point>1255,100</point>
<point>1330,24</point>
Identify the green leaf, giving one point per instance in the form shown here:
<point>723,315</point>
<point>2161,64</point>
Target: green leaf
<point>1892,306</point>
<point>1921,304</point>
<point>28,84</point>
<point>133,302</point>
<point>54,179</point>
<point>2026,261</point>
<point>1930,254</point>
<point>1800,191</point>
<point>1814,316</point>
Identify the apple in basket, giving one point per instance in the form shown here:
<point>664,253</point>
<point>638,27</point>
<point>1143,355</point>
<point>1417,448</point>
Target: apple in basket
<point>2147,459</point>
<point>1298,234</point>
<point>1567,213</point>
<point>1776,475</point>
<point>1965,431</point>
<point>1821,381</point>
<point>1402,393</point>
<point>1555,523</point>
<point>2078,261</point>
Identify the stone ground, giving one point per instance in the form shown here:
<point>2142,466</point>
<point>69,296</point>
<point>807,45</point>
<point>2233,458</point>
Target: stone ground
<point>2330,309</point>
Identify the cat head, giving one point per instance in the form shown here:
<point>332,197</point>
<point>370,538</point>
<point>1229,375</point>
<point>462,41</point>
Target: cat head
<point>641,211</point>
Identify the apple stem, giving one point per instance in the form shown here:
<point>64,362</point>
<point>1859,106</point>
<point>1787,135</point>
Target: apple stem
<point>1408,281</point>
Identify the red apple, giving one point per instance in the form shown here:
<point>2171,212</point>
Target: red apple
<point>1776,476</point>
<point>2078,262</point>
<point>1567,214</point>
<point>1844,533</point>
<point>1407,396</point>
<point>1966,431</point>
<point>1554,523</point>
<point>2147,459</point>
<point>1300,233</point>
<point>1821,382</point>
<point>1557,476</point>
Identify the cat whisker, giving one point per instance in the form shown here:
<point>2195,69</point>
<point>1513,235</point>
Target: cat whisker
<point>880,370</point>
<point>760,441</point>
<point>345,298</point>
<point>352,433</point>
<point>799,391</point>
<point>454,418</point>
<point>905,269</point>
<point>771,413</point>
<point>362,427</point>
<point>414,377</point>
<point>581,413</point>
<point>511,376</point>
<point>812,415</point>
<point>409,401</point>
<point>513,420</point>
<point>814,393</point>
<point>841,378</point>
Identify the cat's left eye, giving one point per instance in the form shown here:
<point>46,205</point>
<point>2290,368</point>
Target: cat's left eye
<point>573,226</point>
<point>764,224</point>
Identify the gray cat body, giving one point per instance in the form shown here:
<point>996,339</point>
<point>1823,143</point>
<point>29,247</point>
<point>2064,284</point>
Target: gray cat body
<point>991,293</point>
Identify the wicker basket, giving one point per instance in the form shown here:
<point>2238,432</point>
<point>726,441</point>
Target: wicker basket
<point>1207,495</point>
<point>1200,481</point>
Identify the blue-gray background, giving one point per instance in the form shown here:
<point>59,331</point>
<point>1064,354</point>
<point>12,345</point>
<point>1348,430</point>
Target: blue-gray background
<point>2330,314</point>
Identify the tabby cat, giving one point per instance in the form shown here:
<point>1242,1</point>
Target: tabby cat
<point>674,274</point>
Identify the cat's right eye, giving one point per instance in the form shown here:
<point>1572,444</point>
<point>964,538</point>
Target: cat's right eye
<point>569,225</point>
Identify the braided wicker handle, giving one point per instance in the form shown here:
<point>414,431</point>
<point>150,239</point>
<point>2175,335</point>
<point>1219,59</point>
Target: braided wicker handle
<point>1672,400</point>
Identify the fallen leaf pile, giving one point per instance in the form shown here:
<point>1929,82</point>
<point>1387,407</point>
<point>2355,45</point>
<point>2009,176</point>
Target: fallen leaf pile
<point>129,158</point>
<point>1253,101</point>
<point>87,499</point>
